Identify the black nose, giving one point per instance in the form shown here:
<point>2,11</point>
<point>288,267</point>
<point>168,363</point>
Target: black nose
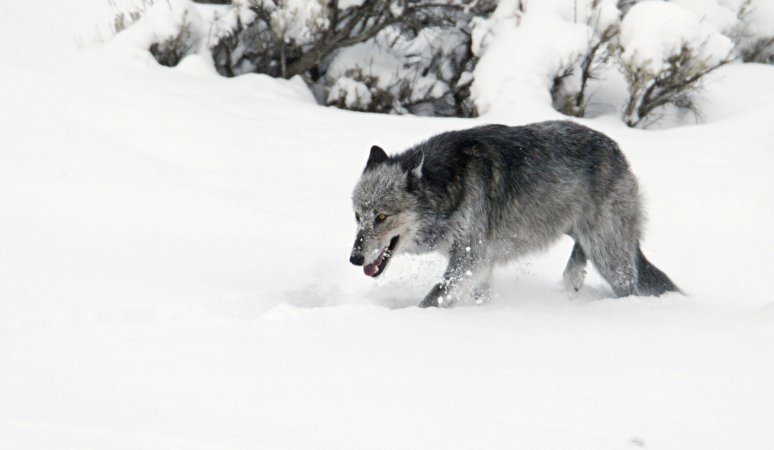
<point>357,260</point>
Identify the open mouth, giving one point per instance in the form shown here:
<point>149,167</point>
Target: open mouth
<point>377,267</point>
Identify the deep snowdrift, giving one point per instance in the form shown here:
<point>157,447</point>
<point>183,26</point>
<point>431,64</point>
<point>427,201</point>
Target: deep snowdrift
<point>174,259</point>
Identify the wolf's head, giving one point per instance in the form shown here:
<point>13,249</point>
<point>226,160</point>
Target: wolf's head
<point>385,209</point>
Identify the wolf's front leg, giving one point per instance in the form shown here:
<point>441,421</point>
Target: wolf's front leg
<point>465,264</point>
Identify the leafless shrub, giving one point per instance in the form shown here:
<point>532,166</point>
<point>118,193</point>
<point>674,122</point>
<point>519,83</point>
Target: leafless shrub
<point>342,28</point>
<point>675,84</point>
<point>573,101</point>
<point>569,88</point>
<point>751,45</point>
<point>625,5</point>
<point>265,45</point>
<point>760,50</point>
<point>124,19</point>
<point>250,47</point>
<point>170,51</point>
<point>358,91</point>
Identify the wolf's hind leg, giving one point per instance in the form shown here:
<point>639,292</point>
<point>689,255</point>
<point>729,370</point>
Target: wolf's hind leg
<point>575,271</point>
<point>611,241</point>
<point>615,259</point>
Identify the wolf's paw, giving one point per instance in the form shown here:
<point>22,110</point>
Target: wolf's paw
<point>435,298</point>
<point>482,294</point>
<point>438,298</point>
<point>429,303</point>
<point>573,278</point>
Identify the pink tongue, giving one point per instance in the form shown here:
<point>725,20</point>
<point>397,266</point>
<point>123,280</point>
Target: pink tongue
<point>372,268</point>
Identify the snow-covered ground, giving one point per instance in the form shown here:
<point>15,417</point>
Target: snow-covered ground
<point>174,274</point>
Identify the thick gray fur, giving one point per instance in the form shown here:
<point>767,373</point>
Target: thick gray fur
<point>489,194</point>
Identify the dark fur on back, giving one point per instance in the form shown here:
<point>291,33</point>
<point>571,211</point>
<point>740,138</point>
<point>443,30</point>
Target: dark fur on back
<point>491,193</point>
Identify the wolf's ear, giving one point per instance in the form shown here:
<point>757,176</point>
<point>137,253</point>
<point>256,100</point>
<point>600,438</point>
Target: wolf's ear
<point>377,156</point>
<point>417,171</point>
<point>413,165</point>
<point>412,170</point>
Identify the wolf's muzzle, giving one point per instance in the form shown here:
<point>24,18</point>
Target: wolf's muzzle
<point>357,257</point>
<point>357,260</point>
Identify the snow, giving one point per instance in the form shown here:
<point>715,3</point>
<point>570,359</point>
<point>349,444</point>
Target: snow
<point>652,32</point>
<point>174,270</point>
<point>223,19</point>
<point>390,60</point>
<point>344,4</point>
<point>164,20</point>
<point>522,52</point>
<point>354,93</point>
<point>519,62</point>
<point>720,14</point>
<point>372,59</point>
<point>760,16</point>
<point>298,20</point>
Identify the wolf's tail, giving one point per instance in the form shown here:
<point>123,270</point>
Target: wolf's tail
<point>650,279</point>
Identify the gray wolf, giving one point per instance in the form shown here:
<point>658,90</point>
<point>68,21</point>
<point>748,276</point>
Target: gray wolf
<point>489,194</point>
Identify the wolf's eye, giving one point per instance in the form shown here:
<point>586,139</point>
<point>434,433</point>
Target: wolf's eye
<point>380,217</point>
